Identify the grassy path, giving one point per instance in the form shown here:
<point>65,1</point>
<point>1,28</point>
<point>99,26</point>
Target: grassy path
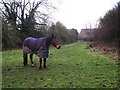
<point>71,66</point>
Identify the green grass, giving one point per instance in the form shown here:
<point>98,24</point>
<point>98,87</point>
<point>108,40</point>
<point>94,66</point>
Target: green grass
<point>72,66</point>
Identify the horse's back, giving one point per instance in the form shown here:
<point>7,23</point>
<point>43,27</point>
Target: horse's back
<point>28,41</point>
<point>33,44</point>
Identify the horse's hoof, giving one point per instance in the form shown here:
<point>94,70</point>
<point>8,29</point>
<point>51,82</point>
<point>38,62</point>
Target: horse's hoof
<point>40,67</point>
<point>25,65</point>
<point>32,65</point>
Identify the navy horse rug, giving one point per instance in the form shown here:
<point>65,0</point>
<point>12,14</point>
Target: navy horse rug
<point>36,46</point>
<point>39,46</point>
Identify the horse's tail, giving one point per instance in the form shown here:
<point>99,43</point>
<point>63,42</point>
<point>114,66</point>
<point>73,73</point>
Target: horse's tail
<point>25,60</point>
<point>24,53</point>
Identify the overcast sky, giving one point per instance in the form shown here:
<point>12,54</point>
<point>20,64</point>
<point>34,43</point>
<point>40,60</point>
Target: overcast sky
<point>80,14</point>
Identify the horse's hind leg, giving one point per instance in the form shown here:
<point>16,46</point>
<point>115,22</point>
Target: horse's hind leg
<point>40,63</point>
<point>31,56</point>
<point>25,61</point>
<point>44,63</point>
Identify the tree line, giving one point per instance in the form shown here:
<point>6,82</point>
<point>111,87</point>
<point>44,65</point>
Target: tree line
<point>107,35</point>
<point>22,19</point>
<point>108,29</point>
<point>64,34</point>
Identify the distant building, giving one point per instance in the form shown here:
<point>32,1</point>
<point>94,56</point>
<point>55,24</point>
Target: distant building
<point>87,34</point>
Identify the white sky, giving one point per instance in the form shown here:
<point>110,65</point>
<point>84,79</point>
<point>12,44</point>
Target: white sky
<point>81,13</point>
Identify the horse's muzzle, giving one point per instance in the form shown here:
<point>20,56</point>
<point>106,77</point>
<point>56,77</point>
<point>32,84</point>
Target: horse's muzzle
<point>58,46</point>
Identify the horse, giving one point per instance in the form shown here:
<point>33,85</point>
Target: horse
<point>39,46</point>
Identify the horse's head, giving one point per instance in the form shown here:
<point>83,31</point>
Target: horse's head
<point>55,42</point>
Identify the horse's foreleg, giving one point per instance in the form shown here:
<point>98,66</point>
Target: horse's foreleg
<point>25,59</point>
<point>44,62</point>
<point>40,63</point>
<point>31,59</point>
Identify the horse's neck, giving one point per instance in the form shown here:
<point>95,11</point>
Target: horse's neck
<point>48,41</point>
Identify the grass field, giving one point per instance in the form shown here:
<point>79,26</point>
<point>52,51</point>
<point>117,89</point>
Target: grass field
<point>72,66</point>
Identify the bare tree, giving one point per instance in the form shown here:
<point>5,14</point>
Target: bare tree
<point>20,19</point>
<point>19,13</point>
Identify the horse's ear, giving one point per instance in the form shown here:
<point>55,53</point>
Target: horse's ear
<point>52,35</point>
